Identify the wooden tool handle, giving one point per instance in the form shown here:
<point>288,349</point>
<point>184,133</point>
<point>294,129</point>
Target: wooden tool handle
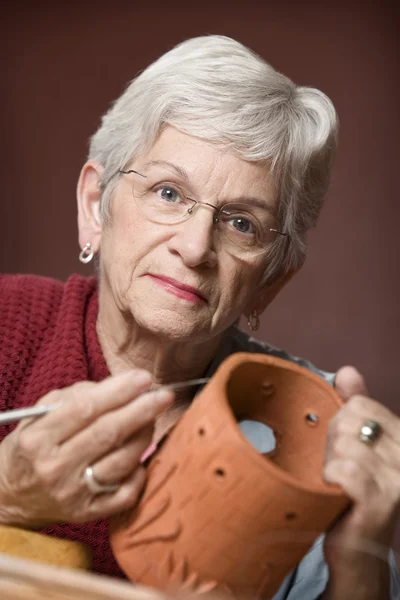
<point>23,543</point>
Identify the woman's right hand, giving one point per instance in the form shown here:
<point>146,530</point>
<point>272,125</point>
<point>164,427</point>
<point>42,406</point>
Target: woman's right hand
<point>106,426</point>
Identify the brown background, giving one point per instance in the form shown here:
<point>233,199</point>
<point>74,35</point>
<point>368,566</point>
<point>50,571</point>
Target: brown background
<point>61,66</point>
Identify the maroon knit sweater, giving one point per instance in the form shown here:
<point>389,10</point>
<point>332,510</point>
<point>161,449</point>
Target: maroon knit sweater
<point>48,341</point>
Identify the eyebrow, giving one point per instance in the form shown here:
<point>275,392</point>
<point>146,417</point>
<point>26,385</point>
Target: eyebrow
<point>184,175</point>
<point>165,163</point>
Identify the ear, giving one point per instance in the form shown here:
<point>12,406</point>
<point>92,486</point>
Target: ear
<point>88,196</point>
<point>268,293</point>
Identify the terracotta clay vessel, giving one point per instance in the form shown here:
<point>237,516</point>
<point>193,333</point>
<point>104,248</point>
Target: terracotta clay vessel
<point>216,514</point>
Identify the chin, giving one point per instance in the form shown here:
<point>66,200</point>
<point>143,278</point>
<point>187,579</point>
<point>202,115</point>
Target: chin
<point>174,328</point>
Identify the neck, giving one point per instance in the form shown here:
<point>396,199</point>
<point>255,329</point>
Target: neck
<point>126,345</point>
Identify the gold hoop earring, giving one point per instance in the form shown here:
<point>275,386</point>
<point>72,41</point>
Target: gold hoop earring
<point>253,321</point>
<point>86,254</point>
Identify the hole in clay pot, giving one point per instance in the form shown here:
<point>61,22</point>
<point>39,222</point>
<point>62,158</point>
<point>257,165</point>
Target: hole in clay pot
<point>220,472</point>
<point>311,418</point>
<point>290,516</point>
<point>260,436</point>
<point>267,389</point>
<point>201,431</point>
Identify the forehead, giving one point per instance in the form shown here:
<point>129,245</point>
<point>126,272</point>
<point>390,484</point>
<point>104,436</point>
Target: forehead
<point>207,165</point>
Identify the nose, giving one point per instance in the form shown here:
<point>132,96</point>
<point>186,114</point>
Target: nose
<point>194,238</point>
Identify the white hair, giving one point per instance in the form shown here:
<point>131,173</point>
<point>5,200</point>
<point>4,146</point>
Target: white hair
<point>216,89</point>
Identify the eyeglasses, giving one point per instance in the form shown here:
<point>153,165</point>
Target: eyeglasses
<point>245,230</point>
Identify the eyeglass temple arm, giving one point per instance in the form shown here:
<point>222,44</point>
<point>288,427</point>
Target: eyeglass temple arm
<point>132,171</point>
<point>279,232</point>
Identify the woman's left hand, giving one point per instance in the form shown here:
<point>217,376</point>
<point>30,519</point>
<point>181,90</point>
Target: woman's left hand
<point>368,473</point>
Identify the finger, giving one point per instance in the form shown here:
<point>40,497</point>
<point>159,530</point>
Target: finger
<point>125,497</point>
<point>365,408</point>
<point>349,381</point>
<point>349,474</point>
<point>374,501</point>
<point>118,465</point>
<point>111,429</point>
<point>349,421</point>
<point>83,403</point>
<point>376,459</point>
<point>53,399</point>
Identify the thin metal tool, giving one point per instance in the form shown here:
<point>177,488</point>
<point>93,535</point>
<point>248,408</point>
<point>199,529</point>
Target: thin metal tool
<point>10,416</point>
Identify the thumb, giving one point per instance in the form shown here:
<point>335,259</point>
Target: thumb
<point>349,382</point>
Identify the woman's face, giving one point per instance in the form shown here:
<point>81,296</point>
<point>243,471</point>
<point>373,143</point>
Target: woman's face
<point>178,280</point>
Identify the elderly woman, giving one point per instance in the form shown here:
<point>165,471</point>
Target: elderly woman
<point>201,184</point>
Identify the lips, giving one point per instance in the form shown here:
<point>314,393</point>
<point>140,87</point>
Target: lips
<point>179,285</point>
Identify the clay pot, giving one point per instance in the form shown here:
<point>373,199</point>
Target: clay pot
<point>216,514</point>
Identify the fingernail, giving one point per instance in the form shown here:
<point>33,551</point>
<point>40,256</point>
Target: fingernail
<point>140,377</point>
<point>164,396</point>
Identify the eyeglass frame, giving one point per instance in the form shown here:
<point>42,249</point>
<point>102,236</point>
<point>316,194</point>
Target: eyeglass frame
<point>195,202</point>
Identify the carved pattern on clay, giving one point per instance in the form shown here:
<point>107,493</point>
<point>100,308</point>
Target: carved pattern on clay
<point>180,577</point>
<point>135,539</point>
<point>151,509</point>
<point>158,481</point>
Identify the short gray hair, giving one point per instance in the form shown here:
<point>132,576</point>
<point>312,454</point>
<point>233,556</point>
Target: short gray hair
<point>216,89</point>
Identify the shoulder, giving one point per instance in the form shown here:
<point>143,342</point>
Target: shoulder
<point>18,286</point>
<point>238,341</point>
<point>24,295</point>
<point>30,304</point>
<point>36,290</point>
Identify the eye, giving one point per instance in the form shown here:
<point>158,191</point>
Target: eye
<point>243,225</point>
<point>237,221</point>
<point>169,195</point>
